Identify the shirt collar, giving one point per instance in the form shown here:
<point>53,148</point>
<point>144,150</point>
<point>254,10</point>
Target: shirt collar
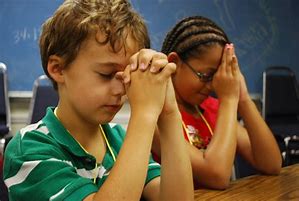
<point>61,135</point>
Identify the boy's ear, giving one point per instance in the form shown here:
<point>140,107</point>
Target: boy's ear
<point>55,68</point>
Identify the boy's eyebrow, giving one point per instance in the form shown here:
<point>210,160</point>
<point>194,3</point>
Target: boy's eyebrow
<point>115,66</point>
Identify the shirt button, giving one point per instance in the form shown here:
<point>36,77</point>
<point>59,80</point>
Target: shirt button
<point>88,160</point>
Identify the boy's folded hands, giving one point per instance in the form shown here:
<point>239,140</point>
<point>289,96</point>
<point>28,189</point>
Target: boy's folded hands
<point>147,81</point>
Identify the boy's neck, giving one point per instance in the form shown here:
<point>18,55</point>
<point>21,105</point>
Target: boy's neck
<point>89,137</point>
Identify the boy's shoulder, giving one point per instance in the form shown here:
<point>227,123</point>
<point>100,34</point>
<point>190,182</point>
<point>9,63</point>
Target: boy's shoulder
<point>32,139</point>
<point>36,139</point>
<point>49,133</point>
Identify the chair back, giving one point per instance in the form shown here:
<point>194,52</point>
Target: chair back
<point>281,110</point>
<point>280,95</point>
<point>5,122</point>
<point>243,168</point>
<point>44,95</point>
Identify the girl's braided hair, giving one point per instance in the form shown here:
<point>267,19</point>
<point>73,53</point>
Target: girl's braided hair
<point>192,35</point>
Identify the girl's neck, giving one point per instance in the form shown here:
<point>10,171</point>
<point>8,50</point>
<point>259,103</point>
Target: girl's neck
<point>190,109</point>
<point>186,107</point>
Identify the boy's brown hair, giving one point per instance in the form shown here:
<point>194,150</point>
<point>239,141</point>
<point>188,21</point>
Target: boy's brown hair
<point>76,20</point>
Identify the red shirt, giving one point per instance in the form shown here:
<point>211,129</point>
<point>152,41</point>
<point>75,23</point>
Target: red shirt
<point>197,128</point>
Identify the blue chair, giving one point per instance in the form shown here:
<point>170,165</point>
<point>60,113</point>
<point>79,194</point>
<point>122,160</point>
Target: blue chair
<point>5,121</point>
<point>44,95</point>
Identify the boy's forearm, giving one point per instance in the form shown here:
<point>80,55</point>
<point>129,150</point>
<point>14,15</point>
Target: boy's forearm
<point>175,160</point>
<point>130,169</point>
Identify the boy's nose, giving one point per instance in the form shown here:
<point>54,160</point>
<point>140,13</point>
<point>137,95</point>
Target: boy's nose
<point>118,88</point>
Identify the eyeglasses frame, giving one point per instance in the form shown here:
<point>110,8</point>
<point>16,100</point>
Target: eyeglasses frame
<point>203,77</point>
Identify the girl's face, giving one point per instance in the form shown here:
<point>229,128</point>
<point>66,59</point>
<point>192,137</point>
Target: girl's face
<point>191,80</point>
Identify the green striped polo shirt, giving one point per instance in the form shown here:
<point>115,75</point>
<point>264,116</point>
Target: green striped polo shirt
<point>44,162</point>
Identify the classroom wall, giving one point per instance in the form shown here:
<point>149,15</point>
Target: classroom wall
<point>265,32</point>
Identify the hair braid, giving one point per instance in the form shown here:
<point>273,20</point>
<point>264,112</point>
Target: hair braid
<point>171,35</point>
<point>193,33</point>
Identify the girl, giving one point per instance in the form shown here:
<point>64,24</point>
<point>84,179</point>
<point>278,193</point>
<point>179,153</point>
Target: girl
<point>206,63</point>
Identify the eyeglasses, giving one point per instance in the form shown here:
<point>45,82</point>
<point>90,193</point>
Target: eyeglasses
<point>204,77</point>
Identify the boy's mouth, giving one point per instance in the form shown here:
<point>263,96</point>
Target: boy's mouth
<point>113,108</point>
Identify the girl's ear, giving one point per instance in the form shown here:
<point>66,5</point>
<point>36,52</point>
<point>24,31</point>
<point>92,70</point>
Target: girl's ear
<point>55,68</point>
<point>174,57</point>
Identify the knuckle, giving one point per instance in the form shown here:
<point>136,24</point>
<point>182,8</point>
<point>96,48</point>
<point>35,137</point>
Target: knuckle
<point>143,51</point>
<point>132,58</point>
<point>162,55</point>
<point>172,66</point>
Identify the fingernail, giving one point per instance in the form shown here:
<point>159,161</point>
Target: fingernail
<point>126,80</point>
<point>133,66</point>
<point>142,66</point>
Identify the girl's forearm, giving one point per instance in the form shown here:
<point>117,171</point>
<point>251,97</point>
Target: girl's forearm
<point>266,154</point>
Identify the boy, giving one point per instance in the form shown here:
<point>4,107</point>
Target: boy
<point>73,153</point>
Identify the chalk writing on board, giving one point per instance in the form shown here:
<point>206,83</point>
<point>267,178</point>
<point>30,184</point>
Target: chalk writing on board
<point>261,32</point>
<point>26,34</point>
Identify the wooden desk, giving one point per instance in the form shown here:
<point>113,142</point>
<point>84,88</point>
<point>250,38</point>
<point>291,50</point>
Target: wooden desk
<point>258,188</point>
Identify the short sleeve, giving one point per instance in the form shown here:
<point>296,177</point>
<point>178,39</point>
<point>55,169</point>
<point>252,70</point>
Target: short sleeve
<point>37,170</point>
<point>154,170</point>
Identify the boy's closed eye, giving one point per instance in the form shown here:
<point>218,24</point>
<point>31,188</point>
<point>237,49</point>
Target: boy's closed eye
<point>107,76</point>
<point>108,70</point>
